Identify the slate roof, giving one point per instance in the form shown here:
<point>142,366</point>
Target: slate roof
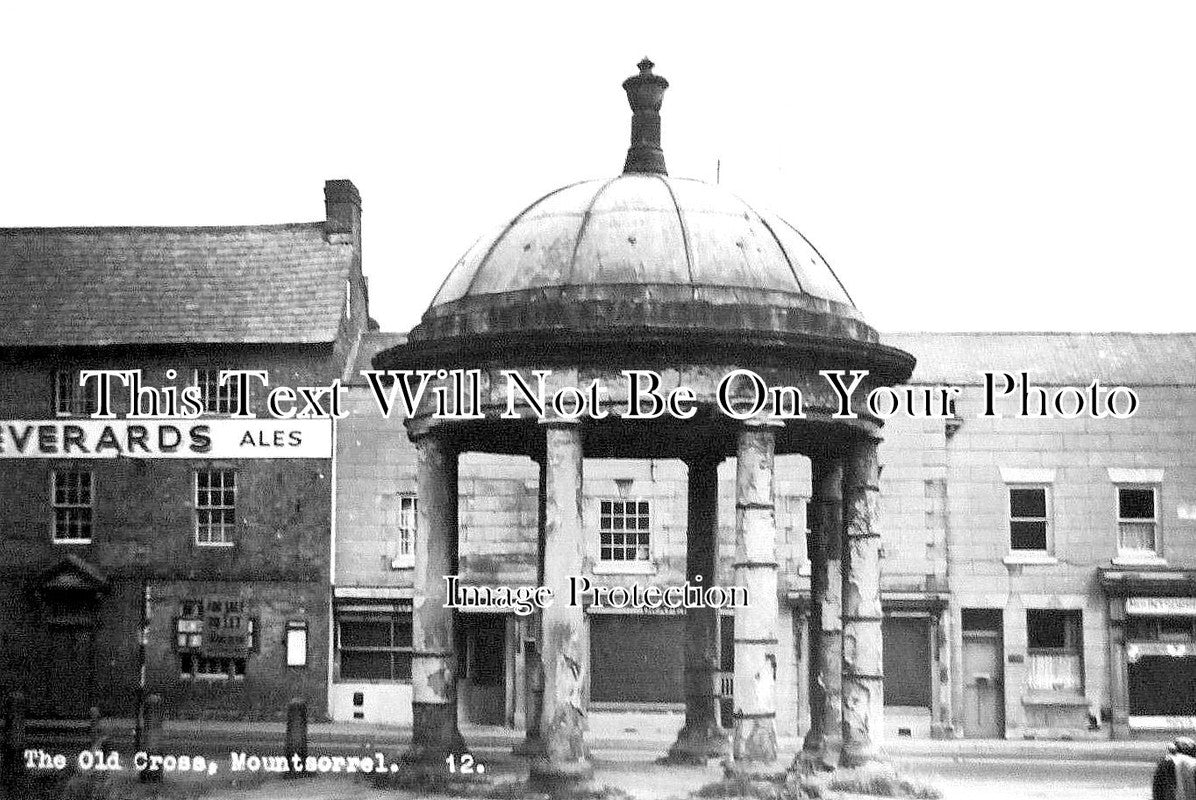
<point>373,343</point>
<point>110,286</point>
<point>1131,359</point>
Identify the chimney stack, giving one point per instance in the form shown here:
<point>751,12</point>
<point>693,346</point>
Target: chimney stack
<point>342,209</point>
<point>644,93</point>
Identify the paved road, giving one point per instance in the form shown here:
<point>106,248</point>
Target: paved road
<point>959,780</point>
<point>1011,779</point>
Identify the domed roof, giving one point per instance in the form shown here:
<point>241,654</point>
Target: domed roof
<point>646,230</point>
<point>646,258</point>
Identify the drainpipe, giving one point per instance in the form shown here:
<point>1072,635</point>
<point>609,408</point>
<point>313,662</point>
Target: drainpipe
<point>328,702</point>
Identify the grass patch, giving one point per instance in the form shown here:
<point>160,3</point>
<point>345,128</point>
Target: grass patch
<point>523,790</point>
<point>794,788</point>
<point>883,785</point>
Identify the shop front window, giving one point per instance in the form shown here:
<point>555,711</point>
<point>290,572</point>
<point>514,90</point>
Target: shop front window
<point>374,646</point>
<point>1054,651</point>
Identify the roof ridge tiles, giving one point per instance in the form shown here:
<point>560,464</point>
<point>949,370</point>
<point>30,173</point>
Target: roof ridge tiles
<point>111,229</point>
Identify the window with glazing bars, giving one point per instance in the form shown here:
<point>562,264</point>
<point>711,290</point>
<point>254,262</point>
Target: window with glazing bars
<point>217,398</point>
<point>403,515</point>
<point>71,399</point>
<point>1029,518</point>
<point>1137,520</point>
<point>72,496</point>
<point>624,530</point>
<point>375,647</point>
<point>215,506</point>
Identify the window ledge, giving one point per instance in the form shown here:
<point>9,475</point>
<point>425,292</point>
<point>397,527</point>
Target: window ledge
<point>215,544</point>
<point>401,563</point>
<point>1031,558</point>
<point>72,541</point>
<point>1060,698</point>
<point>624,568</point>
<point>1139,560</point>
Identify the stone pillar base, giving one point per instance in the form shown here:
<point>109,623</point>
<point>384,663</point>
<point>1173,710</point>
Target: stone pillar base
<point>869,757</point>
<point>875,780</point>
<point>940,731</point>
<point>820,756</point>
<point>698,744</point>
<point>530,746</point>
<point>754,751</point>
<point>744,770</point>
<point>549,774</point>
<point>435,737</point>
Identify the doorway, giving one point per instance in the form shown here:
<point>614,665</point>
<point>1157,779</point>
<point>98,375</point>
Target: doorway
<point>907,664</point>
<point>71,670</point>
<point>482,668</point>
<point>637,658</point>
<point>983,674</point>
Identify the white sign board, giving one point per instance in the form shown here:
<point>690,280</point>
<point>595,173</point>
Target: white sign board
<point>1161,606</point>
<point>159,438</point>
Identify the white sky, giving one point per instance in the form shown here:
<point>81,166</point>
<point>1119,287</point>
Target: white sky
<point>963,166</point>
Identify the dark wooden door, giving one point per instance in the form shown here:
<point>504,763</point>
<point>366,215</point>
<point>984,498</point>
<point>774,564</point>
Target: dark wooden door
<point>71,670</point>
<point>483,687</point>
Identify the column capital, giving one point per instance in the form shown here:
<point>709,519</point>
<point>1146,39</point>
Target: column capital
<point>426,437</point>
<point>558,422</point>
<point>766,423</point>
<point>703,458</point>
<point>828,461</point>
<point>869,441</point>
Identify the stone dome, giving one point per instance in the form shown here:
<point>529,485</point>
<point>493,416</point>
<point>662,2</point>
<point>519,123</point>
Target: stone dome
<point>645,260</point>
<point>650,241</point>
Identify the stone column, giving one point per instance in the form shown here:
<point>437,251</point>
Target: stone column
<point>943,726</point>
<point>824,740</point>
<point>564,628</point>
<point>1119,699</point>
<point>434,732</point>
<point>754,744</point>
<point>863,655</point>
<point>702,737</point>
<point>533,675</point>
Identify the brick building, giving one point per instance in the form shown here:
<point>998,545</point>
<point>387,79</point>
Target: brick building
<point>223,561</point>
